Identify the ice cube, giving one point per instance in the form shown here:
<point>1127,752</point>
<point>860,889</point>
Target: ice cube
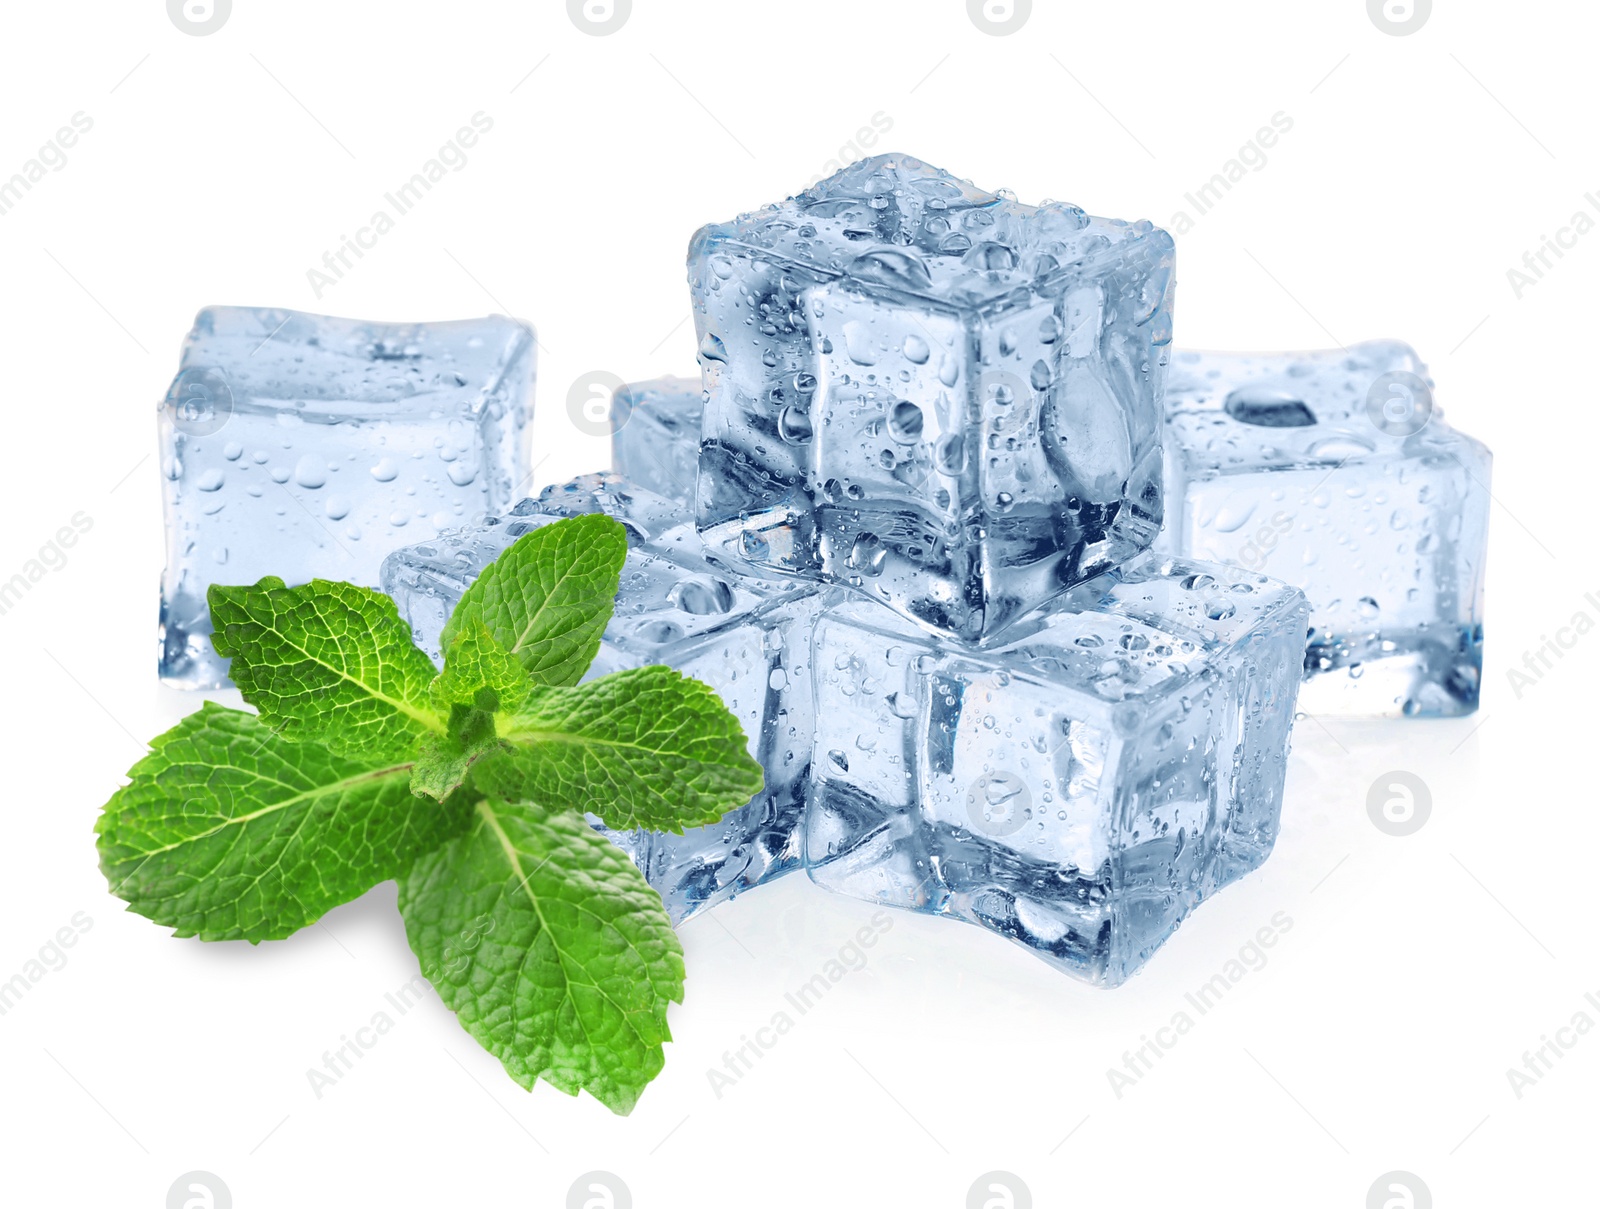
<point>940,397</point>
<point>426,580</point>
<point>303,446</point>
<point>1336,472</point>
<point>747,638</point>
<point>1078,789</point>
<point>655,435</point>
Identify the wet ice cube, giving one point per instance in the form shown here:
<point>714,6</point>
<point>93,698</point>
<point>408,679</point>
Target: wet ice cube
<point>303,446</point>
<point>655,435</point>
<point>1078,789</point>
<point>745,637</point>
<point>426,580</point>
<point>1336,472</point>
<point>943,398</point>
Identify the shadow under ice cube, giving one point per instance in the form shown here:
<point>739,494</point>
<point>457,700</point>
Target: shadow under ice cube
<point>1079,788</point>
<point>938,396</point>
<point>1335,472</point>
<point>745,637</point>
<point>309,447</point>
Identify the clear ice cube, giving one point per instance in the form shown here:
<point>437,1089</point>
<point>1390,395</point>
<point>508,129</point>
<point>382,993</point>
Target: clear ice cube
<point>747,638</point>
<point>304,446</point>
<point>1335,472</point>
<point>655,435</point>
<point>1078,789</point>
<point>940,397</point>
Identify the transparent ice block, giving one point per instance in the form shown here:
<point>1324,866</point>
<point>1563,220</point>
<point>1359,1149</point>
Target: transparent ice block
<point>655,435</point>
<point>679,606</point>
<point>1079,788</point>
<point>938,396</point>
<point>304,446</point>
<point>1335,472</point>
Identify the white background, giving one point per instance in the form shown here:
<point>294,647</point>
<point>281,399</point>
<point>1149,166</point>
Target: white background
<point>1417,970</point>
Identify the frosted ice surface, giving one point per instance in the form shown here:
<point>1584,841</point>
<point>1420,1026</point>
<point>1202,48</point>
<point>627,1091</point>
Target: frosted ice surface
<point>307,447</point>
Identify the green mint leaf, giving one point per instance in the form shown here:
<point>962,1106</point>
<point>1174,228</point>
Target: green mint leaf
<point>548,598</point>
<point>479,678</point>
<point>229,831</point>
<point>443,761</point>
<point>474,661</point>
<point>551,949</point>
<point>328,662</point>
<point>646,747</point>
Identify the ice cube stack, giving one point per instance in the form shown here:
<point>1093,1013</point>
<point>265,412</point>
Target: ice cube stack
<point>909,524</point>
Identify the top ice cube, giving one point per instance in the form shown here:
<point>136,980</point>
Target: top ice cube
<point>941,397</point>
<point>304,446</point>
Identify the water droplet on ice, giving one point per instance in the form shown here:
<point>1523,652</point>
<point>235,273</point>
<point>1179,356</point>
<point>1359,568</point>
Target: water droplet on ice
<point>867,555</point>
<point>385,471</point>
<point>951,454</point>
<point>794,425</point>
<point>1233,516</point>
<point>712,348</point>
<point>336,507</point>
<point>462,473</point>
<point>858,343</point>
<point>311,471</point>
<point>1340,448</point>
<point>893,267</point>
<point>916,349</point>
<point>702,596</point>
<point>659,633</point>
<point>905,422</point>
<point>211,480</point>
<point>991,256</point>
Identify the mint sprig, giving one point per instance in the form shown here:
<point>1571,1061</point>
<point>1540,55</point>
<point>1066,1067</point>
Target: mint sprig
<point>364,762</point>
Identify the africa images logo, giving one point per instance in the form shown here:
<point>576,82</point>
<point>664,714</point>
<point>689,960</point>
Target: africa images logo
<point>198,18</point>
<point>1399,17</point>
<point>599,17</point>
<point>999,17</point>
